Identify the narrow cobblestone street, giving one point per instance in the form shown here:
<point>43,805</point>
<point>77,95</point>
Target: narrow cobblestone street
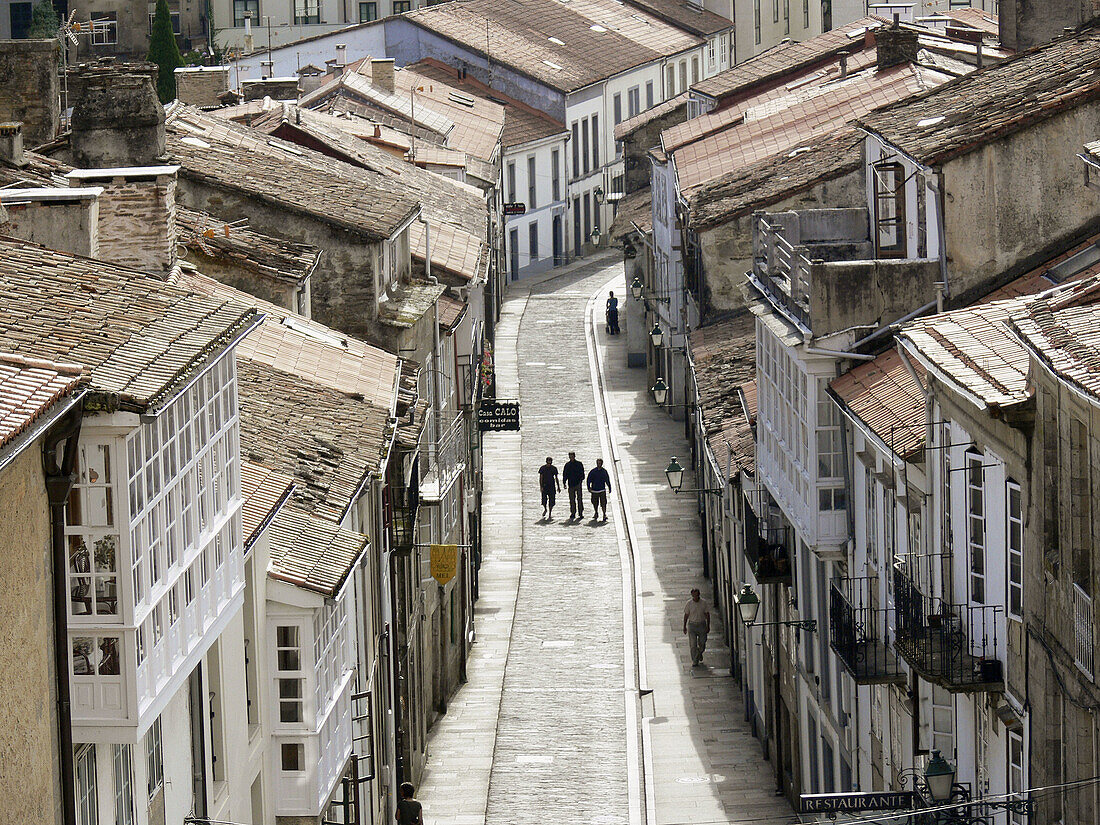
<point>547,727</point>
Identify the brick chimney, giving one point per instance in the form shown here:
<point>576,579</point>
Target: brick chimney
<point>381,74</point>
<point>137,215</point>
<point>62,219</point>
<point>30,90</point>
<point>11,145</point>
<point>118,120</point>
<point>1026,23</point>
<point>895,45</point>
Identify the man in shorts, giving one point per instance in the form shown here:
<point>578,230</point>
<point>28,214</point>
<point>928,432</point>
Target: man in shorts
<point>549,484</point>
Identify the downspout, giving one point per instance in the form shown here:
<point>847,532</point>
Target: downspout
<point>58,466</point>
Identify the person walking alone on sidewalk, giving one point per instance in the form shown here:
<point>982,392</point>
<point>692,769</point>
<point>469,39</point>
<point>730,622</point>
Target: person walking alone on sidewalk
<point>549,485</point>
<point>697,626</point>
<point>612,314</point>
<point>599,484</point>
<point>409,811</point>
<point>573,476</point>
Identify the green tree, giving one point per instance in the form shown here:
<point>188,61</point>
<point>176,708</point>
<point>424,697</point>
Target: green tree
<point>165,52</point>
<point>44,22</point>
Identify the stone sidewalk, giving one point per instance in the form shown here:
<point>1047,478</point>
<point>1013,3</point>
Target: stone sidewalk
<point>540,732</point>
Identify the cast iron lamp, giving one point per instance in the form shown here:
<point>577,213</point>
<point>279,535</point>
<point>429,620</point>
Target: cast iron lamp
<point>660,393</point>
<point>675,475</point>
<point>657,335</point>
<point>636,287</point>
<point>939,776</point>
<point>748,606</point>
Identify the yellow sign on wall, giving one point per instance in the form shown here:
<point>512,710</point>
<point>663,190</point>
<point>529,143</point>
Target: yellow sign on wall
<point>444,562</point>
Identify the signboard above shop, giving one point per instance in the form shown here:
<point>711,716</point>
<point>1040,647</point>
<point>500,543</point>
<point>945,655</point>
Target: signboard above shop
<point>515,208</point>
<point>834,803</point>
<point>497,416</point>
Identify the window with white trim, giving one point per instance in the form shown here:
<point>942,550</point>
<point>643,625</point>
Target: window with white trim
<point>1017,779</point>
<point>91,533</point>
<point>1015,538</point>
<point>331,646</point>
<point>290,680</point>
<point>307,12</point>
<point>154,759</point>
<point>124,784</point>
<point>756,21</point>
<point>87,802</point>
<point>291,757</point>
<point>712,54</point>
<point>832,493</point>
<point>975,517</point>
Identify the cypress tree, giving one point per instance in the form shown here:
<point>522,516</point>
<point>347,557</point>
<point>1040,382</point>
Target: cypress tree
<point>44,22</point>
<point>165,52</point>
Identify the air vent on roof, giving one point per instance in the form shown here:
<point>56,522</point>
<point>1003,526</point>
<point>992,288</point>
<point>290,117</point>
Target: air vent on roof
<point>596,27</point>
<point>316,333</point>
<point>552,65</point>
<point>461,99</point>
<point>556,40</point>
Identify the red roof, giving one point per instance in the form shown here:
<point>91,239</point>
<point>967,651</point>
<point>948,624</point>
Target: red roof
<point>883,395</point>
<point>28,388</point>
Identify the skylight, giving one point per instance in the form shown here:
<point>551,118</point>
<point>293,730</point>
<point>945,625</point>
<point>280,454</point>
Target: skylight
<point>555,40</point>
<point>596,27</point>
<point>930,121</point>
<point>552,65</point>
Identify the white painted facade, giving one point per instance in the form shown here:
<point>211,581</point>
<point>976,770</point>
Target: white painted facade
<point>536,250</point>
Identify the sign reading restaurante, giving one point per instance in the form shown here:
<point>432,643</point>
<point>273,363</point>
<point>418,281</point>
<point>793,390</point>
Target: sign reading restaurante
<point>850,802</point>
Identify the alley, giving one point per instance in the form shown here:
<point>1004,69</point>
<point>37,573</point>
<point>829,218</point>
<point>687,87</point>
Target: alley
<point>551,725</point>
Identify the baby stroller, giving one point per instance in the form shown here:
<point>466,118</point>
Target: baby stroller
<point>611,316</point>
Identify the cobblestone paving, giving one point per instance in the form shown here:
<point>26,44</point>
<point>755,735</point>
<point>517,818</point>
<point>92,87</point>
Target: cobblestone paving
<point>561,753</point>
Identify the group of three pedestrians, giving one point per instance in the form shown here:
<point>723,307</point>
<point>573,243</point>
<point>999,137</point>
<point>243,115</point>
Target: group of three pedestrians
<point>598,482</point>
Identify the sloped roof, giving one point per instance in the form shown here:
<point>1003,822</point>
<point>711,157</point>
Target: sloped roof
<point>478,121</point>
<point>1062,329</point>
<point>236,157</point>
<point>1077,263</point>
<point>631,124</point>
<point>453,249</point>
<point>310,552</point>
<point>136,336</point>
<point>28,388</point>
<point>633,211</point>
<point>786,58</point>
<point>593,39</point>
<point>357,81</point>
<point>685,14</point>
<point>797,121</point>
<point>242,246</point>
<point>883,395</point>
<point>975,110</point>
<point>773,179</point>
<point>263,492</point>
<point>724,356</point>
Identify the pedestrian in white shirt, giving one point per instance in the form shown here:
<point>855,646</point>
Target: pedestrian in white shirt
<point>697,626</point>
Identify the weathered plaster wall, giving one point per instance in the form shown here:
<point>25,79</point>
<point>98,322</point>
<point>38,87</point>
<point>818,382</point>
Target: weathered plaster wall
<point>727,249</point>
<point>1007,204</point>
<point>867,294</point>
<point>279,293</point>
<point>28,719</point>
<point>638,143</point>
<point>68,227</point>
<point>1027,23</point>
<point>29,87</point>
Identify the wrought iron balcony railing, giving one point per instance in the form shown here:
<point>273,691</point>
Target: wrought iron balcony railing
<point>858,632</point>
<point>957,646</point>
<point>774,562</point>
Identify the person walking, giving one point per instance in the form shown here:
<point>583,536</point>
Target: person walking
<point>697,626</point>
<point>573,476</point>
<point>549,485</point>
<point>599,484</point>
<point>409,811</point>
<point>612,314</point>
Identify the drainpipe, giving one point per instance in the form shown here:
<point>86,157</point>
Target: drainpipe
<point>58,466</point>
<point>832,353</point>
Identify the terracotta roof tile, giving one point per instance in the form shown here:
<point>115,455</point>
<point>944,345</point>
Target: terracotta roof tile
<point>883,395</point>
<point>685,14</point>
<point>724,357</point>
<point>639,120</point>
<point>635,210</point>
<point>976,110</point>
<point>310,552</point>
<point>263,491</point>
<point>28,388</point>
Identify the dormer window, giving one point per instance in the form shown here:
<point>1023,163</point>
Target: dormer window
<point>889,207</point>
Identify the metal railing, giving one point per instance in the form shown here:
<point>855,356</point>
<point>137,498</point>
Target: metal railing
<point>781,268</point>
<point>1082,630</point>
<point>958,646</point>
<point>858,632</point>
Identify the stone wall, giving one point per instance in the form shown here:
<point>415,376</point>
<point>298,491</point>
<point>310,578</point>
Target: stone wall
<point>201,86</point>
<point>28,718</point>
<point>1027,23</point>
<point>68,226</point>
<point>867,294</point>
<point>117,120</point>
<point>280,293</point>
<point>137,225</point>
<point>638,143</point>
<point>30,91</point>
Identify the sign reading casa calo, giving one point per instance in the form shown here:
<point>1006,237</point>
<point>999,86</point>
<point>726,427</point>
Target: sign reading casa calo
<point>840,802</point>
<point>498,416</point>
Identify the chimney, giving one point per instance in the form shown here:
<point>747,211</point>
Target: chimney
<point>11,145</point>
<point>201,85</point>
<point>118,120</point>
<point>137,215</point>
<point>341,56</point>
<point>896,45</point>
<point>1023,24</point>
<point>843,64</point>
<point>30,89</point>
<point>62,219</point>
<point>381,74</point>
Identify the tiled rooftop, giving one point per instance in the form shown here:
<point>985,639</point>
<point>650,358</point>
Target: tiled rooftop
<point>451,310</point>
<point>976,110</point>
<point>453,249</point>
<point>595,38</point>
<point>883,395</point>
<point>136,336</point>
<point>724,355</point>
<point>410,302</point>
<point>236,157</point>
<point>778,62</point>
<point>649,115</point>
<point>307,349</point>
<point>635,211</point>
<point>686,15</point>
<point>28,388</point>
<point>773,179</point>
<point>1062,328</point>
<point>800,120</point>
<point>263,491</point>
<point>310,552</point>
<point>239,245</point>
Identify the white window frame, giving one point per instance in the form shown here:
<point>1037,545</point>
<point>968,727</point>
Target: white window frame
<point>123,760</point>
<point>976,542</point>
<point>1014,539</point>
<point>290,676</point>
<point>87,795</point>
<point>154,759</point>
<point>1017,772</point>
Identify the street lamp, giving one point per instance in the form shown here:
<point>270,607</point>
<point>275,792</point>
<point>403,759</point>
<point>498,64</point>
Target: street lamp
<point>675,475</point>
<point>748,606</point>
<point>939,776</point>
<point>656,336</point>
<point>636,287</point>
<point>595,236</point>
<point>660,393</point>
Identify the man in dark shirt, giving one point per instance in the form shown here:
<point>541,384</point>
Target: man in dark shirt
<point>549,485</point>
<point>409,811</point>
<point>612,314</point>
<point>573,476</point>
<point>599,484</point>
